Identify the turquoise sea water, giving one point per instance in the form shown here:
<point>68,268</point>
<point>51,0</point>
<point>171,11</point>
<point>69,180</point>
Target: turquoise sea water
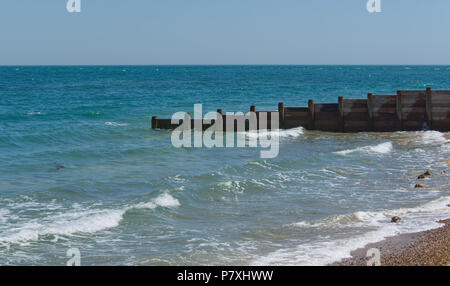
<point>81,167</point>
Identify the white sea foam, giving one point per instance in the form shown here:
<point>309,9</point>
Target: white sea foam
<point>115,124</point>
<point>433,137</point>
<point>292,133</point>
<point>4,215</point>
<point>382,148</point>
<point>78,220</point>
<point>414,219</point>
<point>89,221</point>
<point>423,138</point>
<point>263,164</point>
<point>232,186</point>
<point>34,113</point>
<point>165,200</point>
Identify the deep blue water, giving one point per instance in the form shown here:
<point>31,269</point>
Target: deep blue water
<point>81,167</point>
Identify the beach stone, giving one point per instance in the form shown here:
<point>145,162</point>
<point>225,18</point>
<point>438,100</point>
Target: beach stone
<point>424,175</point>
<point>448,162</point>
<point>396,219</point>
<point>444,172</point>
<point>419,186</point>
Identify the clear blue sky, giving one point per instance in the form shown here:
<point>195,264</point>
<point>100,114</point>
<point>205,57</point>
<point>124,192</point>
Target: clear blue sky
<point>224,32</point>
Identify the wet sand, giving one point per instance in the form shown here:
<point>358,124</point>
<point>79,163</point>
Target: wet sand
<point>427,248</point>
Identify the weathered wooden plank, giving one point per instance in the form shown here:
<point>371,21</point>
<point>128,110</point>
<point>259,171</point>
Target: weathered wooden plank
<point>324,116</point>
<point>408,110</point>
<point>356,117</point>
<point>348,109</point>
<point>296,109</point>
<point>297,117</point>
<point>326,107</point>
<point>295,123</point>
<point>388,110</point>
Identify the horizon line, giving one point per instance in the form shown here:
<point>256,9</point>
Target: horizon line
<point>143,65</point>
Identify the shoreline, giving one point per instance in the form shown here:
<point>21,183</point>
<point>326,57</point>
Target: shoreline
<point>425,248</point>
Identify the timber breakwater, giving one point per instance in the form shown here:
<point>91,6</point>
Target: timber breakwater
<point>408,110</point>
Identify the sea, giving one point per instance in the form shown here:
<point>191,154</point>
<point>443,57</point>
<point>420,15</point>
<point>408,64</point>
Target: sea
<point>81,168</point>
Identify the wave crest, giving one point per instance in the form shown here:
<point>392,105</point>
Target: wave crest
<point>415,219</point>
<point>78,220</point>
<point>383,148</point>
<point>281,133</point>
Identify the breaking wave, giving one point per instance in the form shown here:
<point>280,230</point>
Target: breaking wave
<point>78,220</point>
<point>416,219</point>
<point>292,133</point>
<point>382,148</point>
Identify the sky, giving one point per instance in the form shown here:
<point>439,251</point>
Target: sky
<point>208,32</point>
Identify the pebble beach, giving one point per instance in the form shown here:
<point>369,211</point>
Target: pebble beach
<point>427,248</point>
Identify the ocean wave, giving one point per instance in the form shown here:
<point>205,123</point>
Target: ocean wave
<point>422,138</point>
<point>379,218</point>
<point>35,113</point>
<point>281,133</point>
<point>232,187</point>
<point>109,123</point>
<point>415,219</point>
<point>4,213</point>
<point>165,200</point>
<point>382,148</point>
<point>264,164</point>
<point>433,137</point>
<point>63,224</point>
<point>76,221</point>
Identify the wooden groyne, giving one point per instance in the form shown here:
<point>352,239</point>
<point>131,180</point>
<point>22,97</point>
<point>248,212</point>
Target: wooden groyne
<point>408,110</point>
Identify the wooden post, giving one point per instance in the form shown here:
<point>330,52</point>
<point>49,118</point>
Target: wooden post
<point>399,110</point>
<point>311,115</point>
<point>428,105</point>
<point>341,113</point>
<point>253,109</point>
<point>281,114</point>
<point>220,119</point>
<point>154,122</point>
<point>370,111</point>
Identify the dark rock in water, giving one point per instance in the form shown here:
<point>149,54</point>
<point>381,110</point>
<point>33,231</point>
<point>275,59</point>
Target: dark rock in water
<point>59,167</point>
<point>396,219</point>
<point>420,186</point>
<point>444,172</point>
<point>424,175</point>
